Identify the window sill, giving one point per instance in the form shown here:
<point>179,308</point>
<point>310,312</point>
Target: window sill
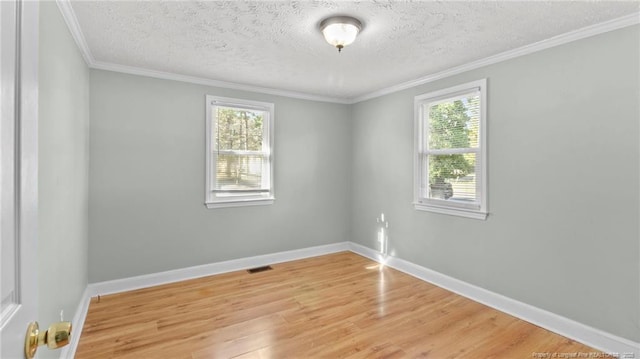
<point>452,211</point>
<point>240,203</point>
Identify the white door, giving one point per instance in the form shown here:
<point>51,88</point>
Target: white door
<point>18,172</point>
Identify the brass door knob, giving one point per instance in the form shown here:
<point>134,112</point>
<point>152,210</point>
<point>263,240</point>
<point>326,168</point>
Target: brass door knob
<point>56,336</point>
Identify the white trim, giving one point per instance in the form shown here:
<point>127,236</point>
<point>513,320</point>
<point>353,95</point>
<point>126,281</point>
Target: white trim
<point>240,203</point>
<point>150,280</point>
<point>582,333</point>
<point>74,28</point>
<point>77,324</point>
<point>76,32</point>
<point>561,39</point>
<point>213,83</point>
<point>460,212</point>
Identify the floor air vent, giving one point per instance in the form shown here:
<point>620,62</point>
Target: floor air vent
<point>259,269</point>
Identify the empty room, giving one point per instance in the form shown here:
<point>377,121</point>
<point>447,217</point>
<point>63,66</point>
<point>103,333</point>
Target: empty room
<point>320,179</point>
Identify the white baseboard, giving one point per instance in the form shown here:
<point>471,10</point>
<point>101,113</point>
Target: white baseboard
<point>149,280</point>
<point>77,324</point>
<point>595,338</point>
<point>587,335</point>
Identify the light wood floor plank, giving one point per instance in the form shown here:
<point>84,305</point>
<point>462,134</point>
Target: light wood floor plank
<point>335,306</point>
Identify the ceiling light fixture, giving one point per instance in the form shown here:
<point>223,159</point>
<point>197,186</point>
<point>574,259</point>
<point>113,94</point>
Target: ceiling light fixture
<point>340,31</point>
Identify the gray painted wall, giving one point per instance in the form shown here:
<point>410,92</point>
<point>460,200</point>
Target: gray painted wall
<point>63,171</point>
<point>563,157</point>
<point>147,210</point>
<point>564,200</point>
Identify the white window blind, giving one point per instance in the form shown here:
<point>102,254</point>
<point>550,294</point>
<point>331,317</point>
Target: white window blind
<point>450,151</point>
<point>240,159</point>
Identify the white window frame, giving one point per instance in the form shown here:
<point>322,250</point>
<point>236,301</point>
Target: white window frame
<point>421,168</point>
<point>252,198</point>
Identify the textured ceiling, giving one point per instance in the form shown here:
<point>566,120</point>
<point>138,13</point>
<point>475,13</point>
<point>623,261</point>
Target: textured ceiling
<point>277,44</point>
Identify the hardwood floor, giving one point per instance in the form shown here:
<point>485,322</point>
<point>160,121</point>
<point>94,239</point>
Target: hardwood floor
<point>335,306</point>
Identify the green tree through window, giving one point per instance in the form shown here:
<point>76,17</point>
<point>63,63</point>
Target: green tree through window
<point>452,124</point>
<point>239,130</point>
<point>239,156</point>
<point>450,151</point>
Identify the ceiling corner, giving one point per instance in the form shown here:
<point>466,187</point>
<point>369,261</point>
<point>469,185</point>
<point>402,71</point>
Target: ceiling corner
<point>74,27</point>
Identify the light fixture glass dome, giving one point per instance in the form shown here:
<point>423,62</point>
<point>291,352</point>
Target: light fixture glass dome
<point>340,31</point>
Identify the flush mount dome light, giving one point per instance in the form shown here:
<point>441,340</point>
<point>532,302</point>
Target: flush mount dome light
<point>340,31</point>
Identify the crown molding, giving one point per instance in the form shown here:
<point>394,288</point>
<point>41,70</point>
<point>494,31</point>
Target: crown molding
<point>76,32</point>
<point>571,36</point>
<point>72,22</point>
<point>74,27</point>
<point>214,83</point>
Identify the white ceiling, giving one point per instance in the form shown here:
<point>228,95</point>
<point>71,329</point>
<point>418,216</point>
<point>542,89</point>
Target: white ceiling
<point>277,44</point>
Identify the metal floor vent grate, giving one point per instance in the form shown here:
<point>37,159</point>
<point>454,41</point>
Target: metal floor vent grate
<point>259,269</point>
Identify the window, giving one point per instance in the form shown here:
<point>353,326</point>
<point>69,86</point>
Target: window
<point>450,151</point>
<point>239,152</point>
